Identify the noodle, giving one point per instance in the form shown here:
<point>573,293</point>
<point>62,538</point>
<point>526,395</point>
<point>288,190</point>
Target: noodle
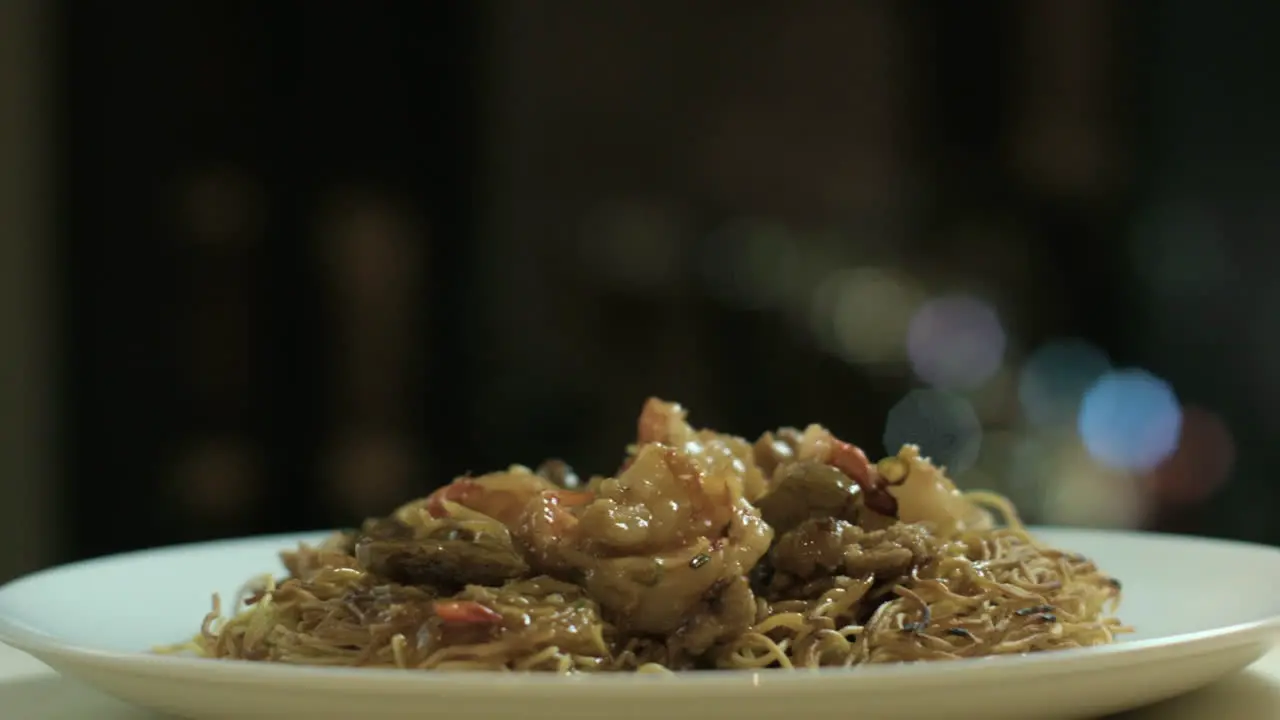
<point>781,558</point>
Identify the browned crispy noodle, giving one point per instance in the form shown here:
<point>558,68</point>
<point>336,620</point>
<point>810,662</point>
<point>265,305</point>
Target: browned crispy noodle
<point>705,551</point>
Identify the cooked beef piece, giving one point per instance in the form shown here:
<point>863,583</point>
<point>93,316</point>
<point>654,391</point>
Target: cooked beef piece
<point>451,554</point>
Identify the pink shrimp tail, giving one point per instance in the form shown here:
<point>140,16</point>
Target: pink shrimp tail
<point>850,460</point>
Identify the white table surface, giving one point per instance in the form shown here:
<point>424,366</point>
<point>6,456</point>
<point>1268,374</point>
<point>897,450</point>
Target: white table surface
<point>29,690</point>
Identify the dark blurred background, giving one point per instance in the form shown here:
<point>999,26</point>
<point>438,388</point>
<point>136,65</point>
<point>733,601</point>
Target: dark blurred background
<point>279,265</point>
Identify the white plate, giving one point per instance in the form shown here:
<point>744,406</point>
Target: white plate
<point>1203,609</point>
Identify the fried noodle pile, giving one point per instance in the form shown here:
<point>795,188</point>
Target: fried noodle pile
<point>705,551</point>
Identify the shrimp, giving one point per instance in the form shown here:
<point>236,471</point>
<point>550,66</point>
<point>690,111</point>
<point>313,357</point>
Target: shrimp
<point>501,496</point>
<point>905,487</point>
<point>715,453</point>
<point>818,444</point>
<point>466,612</point>
<point>657,543</point>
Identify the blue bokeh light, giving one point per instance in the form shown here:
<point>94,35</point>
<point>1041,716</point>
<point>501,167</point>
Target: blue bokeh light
<point>1055,379</point>
<point>1130,420</point>
<point>945,426</point>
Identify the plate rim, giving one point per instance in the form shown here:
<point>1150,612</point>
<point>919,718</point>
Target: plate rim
<point>1265,632</point>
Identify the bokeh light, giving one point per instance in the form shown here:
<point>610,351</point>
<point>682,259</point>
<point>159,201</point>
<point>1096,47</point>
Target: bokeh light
<point>1053,479</point>
<point>955,342</point>
<point>863,313</point>
<point>822,308</point>
<point>996,400</point>
<point>1201,463</point>
<point>1130,419</point>
<point>1055,378</point>
<point>1081,491</point>
<point>945,427</point>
